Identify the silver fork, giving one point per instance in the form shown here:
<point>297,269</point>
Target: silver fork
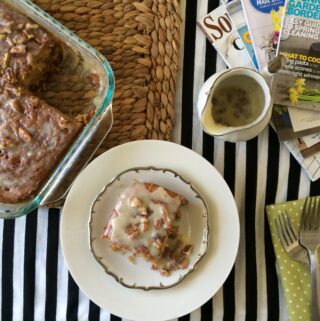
<point>289,239</point>
<point>310,239</point>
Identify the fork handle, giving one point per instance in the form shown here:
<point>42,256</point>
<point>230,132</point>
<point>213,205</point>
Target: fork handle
<point>315,315</point>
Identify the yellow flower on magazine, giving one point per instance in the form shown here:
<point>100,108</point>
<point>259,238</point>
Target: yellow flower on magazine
<point>281,11</point>
<point>300,89</point>
<point>277,18</point>
<point>302,93</point>
<point>294,94</point>
<point>300,82</point>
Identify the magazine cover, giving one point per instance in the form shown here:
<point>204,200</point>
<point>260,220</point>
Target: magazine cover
<point>264,19</point>
<point>221,32</point>
<point>235,11</point>
<point>297,84</point>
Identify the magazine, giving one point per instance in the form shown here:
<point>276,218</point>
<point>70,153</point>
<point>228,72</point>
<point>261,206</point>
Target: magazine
<point>310,164</point>
<point>221,32</point>
<point>293,123</point>
<point>308,145</point>
<point>297,83</point>
<point>235,11</point>
<point>264,19</point>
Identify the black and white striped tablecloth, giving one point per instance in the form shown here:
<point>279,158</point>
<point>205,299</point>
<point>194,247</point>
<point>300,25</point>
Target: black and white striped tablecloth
<point>36,285</point>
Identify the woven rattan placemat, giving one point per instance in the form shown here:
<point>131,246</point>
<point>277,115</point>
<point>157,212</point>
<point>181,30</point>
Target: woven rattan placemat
<point>141,40</point>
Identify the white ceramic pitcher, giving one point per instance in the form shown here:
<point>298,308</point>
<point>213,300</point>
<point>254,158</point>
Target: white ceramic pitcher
<point>264,104</point>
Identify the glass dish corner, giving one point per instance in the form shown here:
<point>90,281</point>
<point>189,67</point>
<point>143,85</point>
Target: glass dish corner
<point>54,190</point>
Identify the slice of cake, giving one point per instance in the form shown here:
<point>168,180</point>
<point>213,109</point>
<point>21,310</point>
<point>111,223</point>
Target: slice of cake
<point>33,137</point>
<point>145,222</point>
<point>27,52</point>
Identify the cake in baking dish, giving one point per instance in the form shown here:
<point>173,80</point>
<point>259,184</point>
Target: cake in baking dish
<point>33,136</point>
<point>27,51</point>
<point>145,222</point>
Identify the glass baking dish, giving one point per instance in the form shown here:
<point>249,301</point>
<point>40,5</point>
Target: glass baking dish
<point>54,190</point>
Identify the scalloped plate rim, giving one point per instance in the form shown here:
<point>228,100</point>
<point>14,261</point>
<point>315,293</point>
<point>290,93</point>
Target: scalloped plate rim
<point>205,233</point>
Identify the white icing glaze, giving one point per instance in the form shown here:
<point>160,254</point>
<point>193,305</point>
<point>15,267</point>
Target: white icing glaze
<point>160,205</point>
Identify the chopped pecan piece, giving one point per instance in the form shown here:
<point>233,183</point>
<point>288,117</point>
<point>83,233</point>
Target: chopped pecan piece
<point>164,272</point>
<point>25,135</point>
<point>132,231</point>
<point>5,30</point>
<point>31,26</point>
<point>64,123</point>
<point>177,215</point>
<point>184,263</point>
<point>5,60</point>
<point>144,224</point>
<point>135,202</point>
<point>132,259</point>
<point>157,244</point>
<point>84,118</point>
<point>29,58</point>
<point>173,233</point>
<point>33,102</point>
<point>30,36</point>
<point>20,39</point>
<point>166,217</point>
<point>15,105</point>
<point>158,223</point>
<point>138,204</point>
<point>10,42</point>
<point>187,249</point>
<point>6,142</point>
<point>19,49</point>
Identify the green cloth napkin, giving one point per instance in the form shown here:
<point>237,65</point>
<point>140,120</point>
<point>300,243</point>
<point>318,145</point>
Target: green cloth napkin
<point>295,277</point>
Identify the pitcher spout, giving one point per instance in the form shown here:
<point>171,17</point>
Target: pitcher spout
<point>274,66</point>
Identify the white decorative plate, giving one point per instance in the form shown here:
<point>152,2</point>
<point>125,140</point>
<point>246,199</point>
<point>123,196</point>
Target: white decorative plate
<point>193,226</point>
<point>194,290</point>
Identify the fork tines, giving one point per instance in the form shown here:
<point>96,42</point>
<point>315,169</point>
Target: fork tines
<point>312,220</point>
<point>284,228</point>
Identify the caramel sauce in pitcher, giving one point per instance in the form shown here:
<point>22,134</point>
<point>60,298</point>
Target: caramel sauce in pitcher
<point>236,101</point>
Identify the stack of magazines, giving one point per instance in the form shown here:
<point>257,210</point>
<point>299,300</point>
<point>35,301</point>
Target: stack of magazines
<point>250,33</point>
